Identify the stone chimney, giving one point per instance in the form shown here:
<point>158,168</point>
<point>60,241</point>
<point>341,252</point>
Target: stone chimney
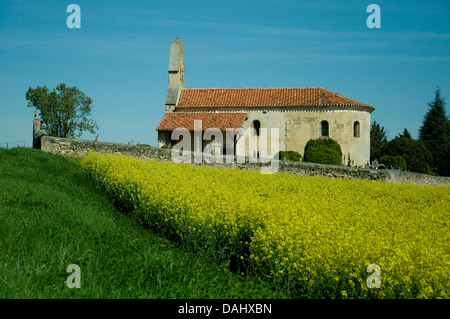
<point>176,74</point>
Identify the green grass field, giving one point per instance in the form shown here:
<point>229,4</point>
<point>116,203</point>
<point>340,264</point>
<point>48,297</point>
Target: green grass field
<point>52,216</point>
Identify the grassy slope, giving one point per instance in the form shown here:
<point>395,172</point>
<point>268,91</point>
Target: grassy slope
<point>52,216</point>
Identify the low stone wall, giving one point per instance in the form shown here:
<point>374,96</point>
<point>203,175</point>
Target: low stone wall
<point>80,148</point>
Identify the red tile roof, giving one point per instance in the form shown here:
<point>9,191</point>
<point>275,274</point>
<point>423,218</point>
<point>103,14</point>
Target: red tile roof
<point>262,97</point>
<point>220,120</point>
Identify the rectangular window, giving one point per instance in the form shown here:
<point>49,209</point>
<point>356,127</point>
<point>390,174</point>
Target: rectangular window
<point>324,125</point>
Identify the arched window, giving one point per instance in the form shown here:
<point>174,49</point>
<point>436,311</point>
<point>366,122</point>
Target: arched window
<point>356,129</point>
<point>324,126</point>
<point>256,127</point>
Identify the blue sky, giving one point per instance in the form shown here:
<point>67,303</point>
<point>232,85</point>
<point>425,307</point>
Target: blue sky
<point>119,57</point>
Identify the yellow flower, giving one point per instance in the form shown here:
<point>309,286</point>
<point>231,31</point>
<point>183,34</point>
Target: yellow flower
<point>325,232</point>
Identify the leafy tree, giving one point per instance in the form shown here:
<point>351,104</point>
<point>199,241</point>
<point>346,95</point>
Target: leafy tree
<point>435,133</point>
<point>323,151</point>
<point>418,158</point>
<point>378,140</point>
<point>405,134</point>
<point>64,111</point>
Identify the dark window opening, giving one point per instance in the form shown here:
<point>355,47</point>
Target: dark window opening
<point>256,127</point>
<point>356,129</point>
<point>324,125</point>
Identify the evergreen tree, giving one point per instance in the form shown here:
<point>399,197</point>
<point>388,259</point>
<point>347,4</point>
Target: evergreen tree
<point>405,134</point>
<point>435,133</point>
<point>378,141</point>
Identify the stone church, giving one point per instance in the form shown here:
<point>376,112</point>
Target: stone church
<point>299,114</point>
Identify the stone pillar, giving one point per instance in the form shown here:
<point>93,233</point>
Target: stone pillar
<point>37,131</point>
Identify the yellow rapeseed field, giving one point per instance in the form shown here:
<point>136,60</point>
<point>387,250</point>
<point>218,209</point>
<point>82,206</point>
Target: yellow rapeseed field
<point>310,236</point>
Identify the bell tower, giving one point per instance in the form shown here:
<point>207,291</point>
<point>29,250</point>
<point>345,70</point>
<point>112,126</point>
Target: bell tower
<point>176,74</point>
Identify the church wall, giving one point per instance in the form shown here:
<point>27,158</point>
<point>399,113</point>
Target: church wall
<point>302,126</point>
<point>249,144</point>
<point>296,127</point>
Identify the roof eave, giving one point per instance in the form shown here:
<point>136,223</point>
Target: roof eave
<point>240,108</point>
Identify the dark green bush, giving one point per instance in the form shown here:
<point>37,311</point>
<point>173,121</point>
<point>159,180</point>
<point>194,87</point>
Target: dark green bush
<point>418,157</point>
<point>289,155</point>
<point>394,161</point>
<point>323,151</point>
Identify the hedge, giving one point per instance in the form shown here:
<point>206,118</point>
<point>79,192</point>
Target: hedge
<point>323,151</point>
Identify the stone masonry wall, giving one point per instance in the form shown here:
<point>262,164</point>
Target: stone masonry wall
<point>80,148</point>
